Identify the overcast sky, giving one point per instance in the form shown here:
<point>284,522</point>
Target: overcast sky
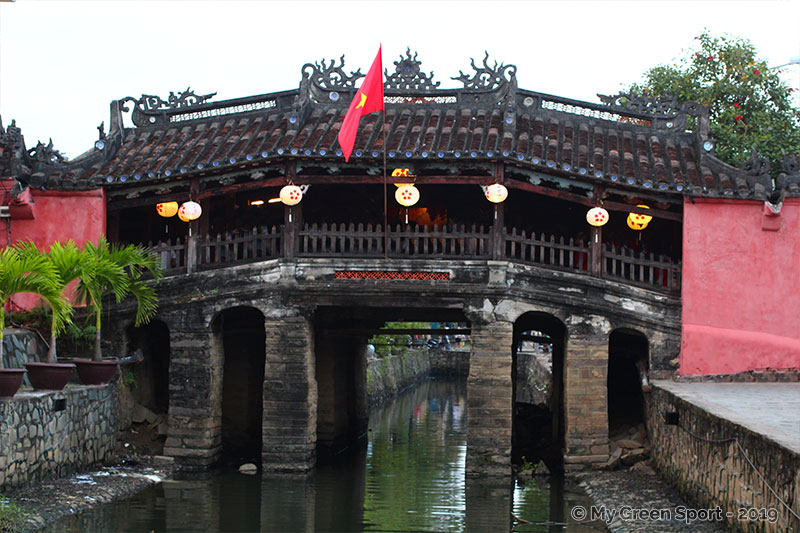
<point>62,62</point>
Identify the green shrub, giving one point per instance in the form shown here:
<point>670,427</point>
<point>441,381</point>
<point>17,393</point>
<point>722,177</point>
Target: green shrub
<point>11,516</point>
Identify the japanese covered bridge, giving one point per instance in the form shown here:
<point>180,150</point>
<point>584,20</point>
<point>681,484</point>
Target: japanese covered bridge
<point>266,308</point>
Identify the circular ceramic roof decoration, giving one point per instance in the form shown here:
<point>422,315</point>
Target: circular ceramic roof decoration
<point>597,216</point>
<point>189,211</point>
<point>496,193</point>
<point>291,195</point>
<point>167,209</point>
<point>406,195</point>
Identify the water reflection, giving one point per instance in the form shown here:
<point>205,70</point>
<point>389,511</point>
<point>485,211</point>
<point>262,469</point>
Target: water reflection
<point>407,475</point>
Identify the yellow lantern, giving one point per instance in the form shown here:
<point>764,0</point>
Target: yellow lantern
<point>291,194</point>
<point>496,193</point>
<point>597,216</point>
<point>402,173</point>
<point>406,194</point>
<point>189,211</point>
<point>167,209</point>
<point>637,221</point>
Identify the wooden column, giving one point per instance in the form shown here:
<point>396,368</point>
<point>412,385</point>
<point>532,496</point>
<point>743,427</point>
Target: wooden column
<point>292,217</point>
<point>596,243</point>
<point>596,252</point>
<point>498,244</point>
<point>191,241</point>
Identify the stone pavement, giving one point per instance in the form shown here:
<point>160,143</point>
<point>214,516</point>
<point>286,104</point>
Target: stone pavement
<point>770,409</point>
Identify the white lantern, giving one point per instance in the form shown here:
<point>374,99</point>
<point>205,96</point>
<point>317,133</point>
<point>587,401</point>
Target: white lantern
<point>406,195</point>
<point>190,211</point>
<point>597,216</point>
<point>496,193</point>
<point>291,195</point>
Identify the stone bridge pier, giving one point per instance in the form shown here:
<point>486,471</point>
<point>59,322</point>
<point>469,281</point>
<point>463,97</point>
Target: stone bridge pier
<point>308,344</point>
<point>585,391</point>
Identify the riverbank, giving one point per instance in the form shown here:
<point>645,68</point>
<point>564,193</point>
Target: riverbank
<point>46,502</point>
<point>638,500</point>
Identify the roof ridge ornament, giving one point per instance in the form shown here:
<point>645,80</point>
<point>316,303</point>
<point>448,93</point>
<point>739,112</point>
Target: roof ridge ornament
<point>489,78</point>
<point>46,154</point>
<point>330,77</point>
<point>408,75</point>
<point>187,98</point>
<point>666,105</point>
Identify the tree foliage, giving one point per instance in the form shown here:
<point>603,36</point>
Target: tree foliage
<point>750,107</point>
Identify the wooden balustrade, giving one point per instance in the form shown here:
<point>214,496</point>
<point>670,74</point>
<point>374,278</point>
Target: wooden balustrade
<point>410,242</point>
<point>236,247</point>
<point>551,251</point>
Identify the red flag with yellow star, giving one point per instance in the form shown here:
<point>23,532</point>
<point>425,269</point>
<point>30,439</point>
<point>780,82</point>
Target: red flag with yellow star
<point>368,99</point>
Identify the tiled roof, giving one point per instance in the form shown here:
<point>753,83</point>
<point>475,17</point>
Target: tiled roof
<point>636,143</point>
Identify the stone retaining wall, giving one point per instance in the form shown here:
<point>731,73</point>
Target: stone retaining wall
<point>388,375</point>
<point>46,435</point>
<point>711,474</point>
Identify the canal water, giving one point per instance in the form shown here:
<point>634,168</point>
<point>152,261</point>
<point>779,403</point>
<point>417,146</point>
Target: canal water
<point>407,474</point>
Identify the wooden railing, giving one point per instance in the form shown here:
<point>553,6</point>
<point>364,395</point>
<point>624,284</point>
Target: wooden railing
<point>642,269</point>
<point>401,241</point>
<point>410,242</point>
<point>548,250</point>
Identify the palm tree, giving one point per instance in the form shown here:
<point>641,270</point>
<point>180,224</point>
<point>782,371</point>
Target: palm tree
<point>116,269</point>
<point>66,259</point>
<point>24,269</point>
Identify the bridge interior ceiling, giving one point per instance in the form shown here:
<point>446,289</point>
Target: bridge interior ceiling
<point>439,205</point>
<point>363,322</point>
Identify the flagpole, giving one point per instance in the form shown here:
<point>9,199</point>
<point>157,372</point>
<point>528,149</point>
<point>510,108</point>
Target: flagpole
<point>385,194</point>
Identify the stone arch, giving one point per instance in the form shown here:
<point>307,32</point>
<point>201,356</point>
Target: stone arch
<point>239,340</point>
<point>538,353</point>
<point>628,361</point>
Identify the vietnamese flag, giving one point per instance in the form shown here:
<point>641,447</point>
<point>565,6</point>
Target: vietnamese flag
<point>368,99</point>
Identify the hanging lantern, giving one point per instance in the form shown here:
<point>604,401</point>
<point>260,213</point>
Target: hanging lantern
<point>167,209</point>
<point>597,216</point>
<point>406,194</point>
<point>637,221</point>
<point>291,194</point>
<point>496,193</point>
<point>189,211</point>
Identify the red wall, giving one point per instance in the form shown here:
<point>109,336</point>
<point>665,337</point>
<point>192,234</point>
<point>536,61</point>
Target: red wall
<point>741,288</point>
<point>58,216</point>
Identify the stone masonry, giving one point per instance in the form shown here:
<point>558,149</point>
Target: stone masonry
<point>290,395</point>
<point>490,404</point>
<point>45,435</point>
<point>585,389</point>
<point>195,418</point>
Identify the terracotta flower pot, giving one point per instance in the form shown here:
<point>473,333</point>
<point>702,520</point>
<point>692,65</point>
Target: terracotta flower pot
<point>49,376</point>
<point>10,381</point>
<point>95,372</point>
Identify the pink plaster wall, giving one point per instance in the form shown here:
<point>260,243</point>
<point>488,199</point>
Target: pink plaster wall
<point>741,288</point>
<point>58,216</point>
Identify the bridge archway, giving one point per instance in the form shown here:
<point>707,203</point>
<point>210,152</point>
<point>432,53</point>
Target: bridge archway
<point>539,341</point>
<point>628,357</point>
<point>152,373</point>
<point>239,331</point>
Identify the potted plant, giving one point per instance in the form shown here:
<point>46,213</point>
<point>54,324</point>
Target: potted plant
<point>114,269</point>
<point>24,269</point>
<point>50,374</point>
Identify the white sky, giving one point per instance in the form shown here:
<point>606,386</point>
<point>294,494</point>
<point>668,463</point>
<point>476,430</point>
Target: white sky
<point>63,61</point>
